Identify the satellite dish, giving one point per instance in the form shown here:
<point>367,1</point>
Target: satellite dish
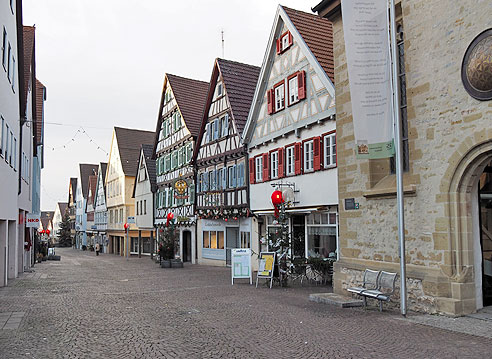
<point>288,195</point>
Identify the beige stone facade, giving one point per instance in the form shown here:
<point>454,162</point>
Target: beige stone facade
<point>450,144</point>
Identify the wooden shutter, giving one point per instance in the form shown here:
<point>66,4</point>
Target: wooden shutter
<point>266,167</point>
<point>281,170</point>
<point>290,39</point>
<point>301,83</point>
<point>279,46</point>
<point>270,100</point>
<point>298,158</point>
<point>316,154</point>
<point>252,170</point>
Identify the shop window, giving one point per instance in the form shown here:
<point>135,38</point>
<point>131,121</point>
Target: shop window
<point>206,239</point>
<point>322,234</point>
<point>213,239</point>
<point>245,240</point>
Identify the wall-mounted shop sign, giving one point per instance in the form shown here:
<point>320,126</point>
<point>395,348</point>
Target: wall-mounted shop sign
<point>181,189</point>
<point>350,204</point>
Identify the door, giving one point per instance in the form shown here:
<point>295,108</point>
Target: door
<point>298,235</point>
<point>232,241</point>
<point>485,222</point>
<point>186,246</point>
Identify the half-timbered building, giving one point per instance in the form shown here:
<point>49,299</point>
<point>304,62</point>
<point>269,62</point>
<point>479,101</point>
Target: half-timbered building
<point>177,129</point>
<point>290,134</point>
<point>221,162</point>
<point>100,209</point>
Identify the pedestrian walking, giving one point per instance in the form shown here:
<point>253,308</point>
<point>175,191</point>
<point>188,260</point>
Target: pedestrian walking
<point>97,249</point>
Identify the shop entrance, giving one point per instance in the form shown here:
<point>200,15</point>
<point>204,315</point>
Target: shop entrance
<point>232,241</point>
<point>186,246</point>
<point>485,223</point>
<point>299,235</point>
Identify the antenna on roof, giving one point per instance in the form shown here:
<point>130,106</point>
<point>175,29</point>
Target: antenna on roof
<point>222,33</point>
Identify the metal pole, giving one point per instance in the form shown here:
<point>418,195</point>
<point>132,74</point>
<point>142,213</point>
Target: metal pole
<point>398,160</point>
<point>126,251</point>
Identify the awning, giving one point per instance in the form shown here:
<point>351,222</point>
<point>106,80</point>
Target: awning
<point>288,210</point>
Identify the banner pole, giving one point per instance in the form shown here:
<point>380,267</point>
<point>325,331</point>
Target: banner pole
<point>398,161</point>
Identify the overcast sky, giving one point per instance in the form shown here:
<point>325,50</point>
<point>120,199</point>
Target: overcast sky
<point>103,63</point>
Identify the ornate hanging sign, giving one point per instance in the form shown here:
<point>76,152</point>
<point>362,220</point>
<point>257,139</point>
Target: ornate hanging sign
<point>181,189</point>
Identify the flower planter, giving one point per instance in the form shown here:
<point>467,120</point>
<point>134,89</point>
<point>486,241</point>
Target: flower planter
<point>165,263</point>
<point>176,263</point>
<point>56,258</point>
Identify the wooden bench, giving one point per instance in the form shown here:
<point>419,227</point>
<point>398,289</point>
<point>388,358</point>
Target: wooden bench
<point>378,285</point>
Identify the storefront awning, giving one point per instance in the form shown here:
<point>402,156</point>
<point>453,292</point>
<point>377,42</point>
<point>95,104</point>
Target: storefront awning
<point>288,210</point>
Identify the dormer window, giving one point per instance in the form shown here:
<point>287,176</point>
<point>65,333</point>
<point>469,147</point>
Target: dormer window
<point>284,42</point>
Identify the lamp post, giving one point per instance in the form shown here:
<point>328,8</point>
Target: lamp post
<point>126,225</point>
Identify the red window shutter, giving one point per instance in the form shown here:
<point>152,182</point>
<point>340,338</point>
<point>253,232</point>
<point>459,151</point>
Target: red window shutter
<point>270,100</point>
<point>279,48</point>
<point>290,39</point>
<point>298,158</point>
<point>266,167</point>
<point>301,83</point>
<point>252,170</point>
<point>281,162</point>
<point>316,154</point>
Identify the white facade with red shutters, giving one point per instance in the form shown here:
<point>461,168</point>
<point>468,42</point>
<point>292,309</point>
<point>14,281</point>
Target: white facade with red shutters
<point>291,138</point>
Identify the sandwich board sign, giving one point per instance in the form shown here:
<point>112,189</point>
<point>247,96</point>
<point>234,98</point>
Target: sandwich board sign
<point>266,266</point>
<point>241,264</point>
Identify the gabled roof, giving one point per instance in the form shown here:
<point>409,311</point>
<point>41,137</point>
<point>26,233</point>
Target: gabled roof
<point>129,141</point>
<point>63,206</point>
<point>92,188</point>
<point>314,36</point>
<point>40,98</point>
<point>239,83</point>
<point>86,170</point>
<point>148,152</point>
<point>317,33</point>
<point>190,96</point>
<point>104,167</point>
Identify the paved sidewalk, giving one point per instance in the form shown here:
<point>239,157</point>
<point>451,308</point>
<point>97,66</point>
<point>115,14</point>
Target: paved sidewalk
<point>106,307</point>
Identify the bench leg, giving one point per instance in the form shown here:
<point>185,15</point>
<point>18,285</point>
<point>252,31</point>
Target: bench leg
<point>380,305</point>
<point>365,301</point>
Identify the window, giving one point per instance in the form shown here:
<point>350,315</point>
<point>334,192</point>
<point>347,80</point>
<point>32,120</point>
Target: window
<point>9,66</point>
<point>137,208</point>
<point>279,97</point>
<point>223,175</point>
<point>145,206</point>
<point>308,156</point>
<point>274,164</point>
<point>174,160</point>
<point>2,132</point>
<point>284,42</point>
<point>293,90</point>
<point>322,234</point>
<point>403,104</point>
<point>213,239</point>
<point>11,145</point>
<point>219,179</point>
<point>240,175</point>
<point>212,180</point>
<point>224,125</point>
<point>189,152</point>
<point>167,163</point>
<point>330,150</point>
<point>232,176</point>
<point>290,160</point>
<point>121,215</point>
<point>14,157</point>
<point>13,73</point>
<point>215,126</point>
<point>206,133</point>
<point>219,89</point>
<point>259,168</point>
<point>180,156</point>
<point>4,48</point>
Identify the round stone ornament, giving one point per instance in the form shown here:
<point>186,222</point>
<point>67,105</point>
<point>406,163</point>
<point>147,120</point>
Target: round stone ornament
<point>476,69</point>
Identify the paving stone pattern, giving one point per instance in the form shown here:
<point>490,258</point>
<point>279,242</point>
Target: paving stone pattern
<point>106,307</point>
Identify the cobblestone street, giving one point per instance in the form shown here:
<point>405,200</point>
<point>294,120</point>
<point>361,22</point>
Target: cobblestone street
<point>106,307</point>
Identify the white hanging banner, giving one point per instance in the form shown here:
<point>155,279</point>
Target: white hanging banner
<point>365,27</point>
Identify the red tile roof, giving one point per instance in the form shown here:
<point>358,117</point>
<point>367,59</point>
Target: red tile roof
<point>40,97</point>
<point>29,32</point>
<point>63,208</point>
<point>190,96</point>
<point>240,84</point>
<point>317,33</point>
<point>129,142</point>
<point>86,170</point>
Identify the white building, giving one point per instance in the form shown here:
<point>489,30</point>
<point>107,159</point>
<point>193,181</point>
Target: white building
<point>291,135</point>
<point>86,170</point>
<point>221,160</point>
<point>100,209</point>
<point>143,191</point>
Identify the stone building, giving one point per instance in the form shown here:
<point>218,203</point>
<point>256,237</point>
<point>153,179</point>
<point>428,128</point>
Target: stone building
<point>447,140</point>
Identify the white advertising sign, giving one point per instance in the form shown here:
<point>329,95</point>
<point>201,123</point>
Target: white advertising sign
<point>365,27</point>
<point>32,220</point>
<point>130,220</point>
<point>241,264</point>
